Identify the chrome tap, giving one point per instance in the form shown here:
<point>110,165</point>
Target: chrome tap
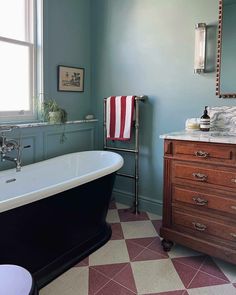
<point>8,145</point>
<point>15,160</point>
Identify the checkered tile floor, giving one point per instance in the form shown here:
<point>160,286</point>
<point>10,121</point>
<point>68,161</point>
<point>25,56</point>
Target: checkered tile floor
<point>133,262</point>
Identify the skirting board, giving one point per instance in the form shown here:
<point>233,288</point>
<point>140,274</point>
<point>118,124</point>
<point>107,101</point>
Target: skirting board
<point>145,204</point>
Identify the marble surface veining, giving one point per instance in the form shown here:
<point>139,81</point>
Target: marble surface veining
<point>223,118</point>
<point>223,128</point>
<point>210,136</point>
<point>42,124</point>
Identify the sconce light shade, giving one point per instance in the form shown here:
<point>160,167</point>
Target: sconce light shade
<point>200,48</point>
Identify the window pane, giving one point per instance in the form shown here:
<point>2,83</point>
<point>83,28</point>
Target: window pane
<point>14,77</point>
<point>13,19</point>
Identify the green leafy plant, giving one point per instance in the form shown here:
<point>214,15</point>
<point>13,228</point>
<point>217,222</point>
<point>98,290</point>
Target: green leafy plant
<point>45,106</point>
<point>50,106</point>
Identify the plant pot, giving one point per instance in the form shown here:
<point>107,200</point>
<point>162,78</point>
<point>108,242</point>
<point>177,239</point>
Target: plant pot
<point>54,117</point>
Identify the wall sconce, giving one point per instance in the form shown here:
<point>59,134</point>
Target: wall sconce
<point>200,48</point>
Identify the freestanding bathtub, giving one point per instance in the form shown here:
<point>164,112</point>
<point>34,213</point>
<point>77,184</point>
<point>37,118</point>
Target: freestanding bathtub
<point>53,213</point>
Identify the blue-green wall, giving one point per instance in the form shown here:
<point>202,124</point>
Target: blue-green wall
<point>147,47</point>
<point>67,42</point>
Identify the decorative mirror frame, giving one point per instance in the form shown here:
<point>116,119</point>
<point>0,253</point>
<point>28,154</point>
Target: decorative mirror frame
<point>218,61</point>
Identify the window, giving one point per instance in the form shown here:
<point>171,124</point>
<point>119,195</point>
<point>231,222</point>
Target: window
<point>20,58</point>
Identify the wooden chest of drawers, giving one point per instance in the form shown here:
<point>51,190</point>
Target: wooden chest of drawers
<point>199,206</point>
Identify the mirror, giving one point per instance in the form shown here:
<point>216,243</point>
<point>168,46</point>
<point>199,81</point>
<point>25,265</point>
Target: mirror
<point>226,59</point>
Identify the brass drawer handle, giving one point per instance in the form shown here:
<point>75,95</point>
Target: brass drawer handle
<point>199,201</point>
<point>233,180</point>
<point>201,154</point>
<point>233,235</point>
<point>200,176</point>
<point>199,226</point>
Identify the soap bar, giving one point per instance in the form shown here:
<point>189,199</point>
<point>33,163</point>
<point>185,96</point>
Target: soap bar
<point>89,117</point>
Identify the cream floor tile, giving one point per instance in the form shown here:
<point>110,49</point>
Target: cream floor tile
<point>115,251</point>
<point>156,276</point>
<point>228,269</point>
<point>214,290</point>
<point>122,206</point>
<point>181,251</point>
<point>112,216</point>
<point>154,216</point>
<point>72,282</point>
<point>138,229</point>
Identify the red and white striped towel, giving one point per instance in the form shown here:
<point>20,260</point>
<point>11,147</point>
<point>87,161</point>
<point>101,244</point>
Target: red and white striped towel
<point>119,116</point>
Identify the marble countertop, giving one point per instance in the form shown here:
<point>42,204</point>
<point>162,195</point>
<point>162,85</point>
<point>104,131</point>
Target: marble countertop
<point>42,124</point>
<point>209,136</point>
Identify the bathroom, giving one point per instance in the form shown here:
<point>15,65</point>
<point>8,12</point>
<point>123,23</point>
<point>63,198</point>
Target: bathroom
<point>129,47</point>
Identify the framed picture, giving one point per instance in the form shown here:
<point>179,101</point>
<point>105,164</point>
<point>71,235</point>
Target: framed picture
<point>70,79</point>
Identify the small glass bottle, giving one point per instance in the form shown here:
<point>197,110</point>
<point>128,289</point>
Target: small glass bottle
<point>205,121</point>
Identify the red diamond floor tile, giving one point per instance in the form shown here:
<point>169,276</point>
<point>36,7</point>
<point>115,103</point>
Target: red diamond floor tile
<point>210,267</point>
<point>127,215</point>
<point>193,261</point>
<point>199,271</point>
<point>133,249</point>
<point>96,281</point>
<point>179,292</point>
<point>185,272</point>
<point>145,249</point>
<point>113,288</point>
<point>117,233</point>
<point>110,270</point>
<point>203,280</point>
<point>125,278</point>
<point>120,274</point>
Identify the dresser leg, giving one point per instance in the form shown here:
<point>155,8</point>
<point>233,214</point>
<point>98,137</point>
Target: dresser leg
<point>167,245</point>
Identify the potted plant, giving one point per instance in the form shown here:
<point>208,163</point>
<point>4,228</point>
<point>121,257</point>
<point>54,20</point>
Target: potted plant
<point>52,112</point>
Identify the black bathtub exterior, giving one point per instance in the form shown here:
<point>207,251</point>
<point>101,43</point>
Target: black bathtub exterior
<point>49,236</point>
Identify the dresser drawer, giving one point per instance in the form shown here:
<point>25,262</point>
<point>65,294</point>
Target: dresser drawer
<point>201,174</point>
<point>201,199</point>
<point>204,225</point>
<point>200,151</point>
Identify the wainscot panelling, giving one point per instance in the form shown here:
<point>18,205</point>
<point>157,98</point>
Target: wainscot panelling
<point>29,145</point>
<point>49,141</point>
<point>67,141</point>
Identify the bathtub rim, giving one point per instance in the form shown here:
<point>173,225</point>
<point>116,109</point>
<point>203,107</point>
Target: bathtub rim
<point>51,190</point>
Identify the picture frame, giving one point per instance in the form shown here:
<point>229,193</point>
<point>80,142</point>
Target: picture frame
<point>70,79</point>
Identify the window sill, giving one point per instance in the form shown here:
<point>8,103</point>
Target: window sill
<point>42,124</point>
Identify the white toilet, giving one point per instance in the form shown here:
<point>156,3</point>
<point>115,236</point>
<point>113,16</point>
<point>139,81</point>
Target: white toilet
<point>16,280</point>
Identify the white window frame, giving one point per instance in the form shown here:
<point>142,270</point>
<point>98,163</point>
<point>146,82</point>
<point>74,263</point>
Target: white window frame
<point>35,46</point>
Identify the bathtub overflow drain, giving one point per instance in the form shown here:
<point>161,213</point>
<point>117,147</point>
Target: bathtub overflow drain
<point>10,180</point>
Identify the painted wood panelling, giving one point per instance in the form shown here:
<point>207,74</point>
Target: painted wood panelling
<point>50,141</point>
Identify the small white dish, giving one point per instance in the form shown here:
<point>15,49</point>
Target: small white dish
<point>89,117</point>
